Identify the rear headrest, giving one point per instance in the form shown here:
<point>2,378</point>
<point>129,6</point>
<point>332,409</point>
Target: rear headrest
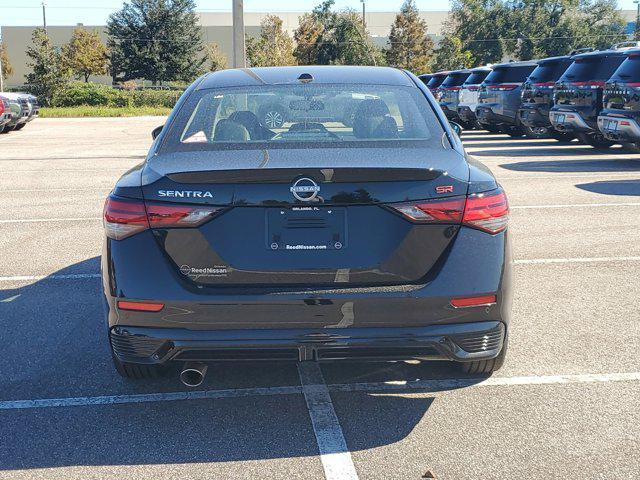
<point>372,108</point>
<point>230,131</point>
<point>247,119</point>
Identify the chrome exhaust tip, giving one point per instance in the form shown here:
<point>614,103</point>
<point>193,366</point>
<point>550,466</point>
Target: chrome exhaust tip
<point>193,374</point>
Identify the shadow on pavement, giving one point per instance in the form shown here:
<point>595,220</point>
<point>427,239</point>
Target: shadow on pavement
<point>613,187</point>
<point>565,166</point>
<point>54,344</point>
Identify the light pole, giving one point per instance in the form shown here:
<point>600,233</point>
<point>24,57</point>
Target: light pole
<point>239,54</point>
<point>44,16</point>
<point>364,25</point>
<point>636,32</point>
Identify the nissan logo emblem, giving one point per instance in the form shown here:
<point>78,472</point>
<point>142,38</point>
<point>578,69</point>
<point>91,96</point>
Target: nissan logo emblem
<point>305,189</point>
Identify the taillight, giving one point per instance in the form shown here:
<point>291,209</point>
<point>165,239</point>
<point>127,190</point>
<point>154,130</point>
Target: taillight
<point>488,211</point>
<point>124,217</point>
<point>503,87</point>
<point>447,210</point>
<point>479,301</point>
<point>589,84</point>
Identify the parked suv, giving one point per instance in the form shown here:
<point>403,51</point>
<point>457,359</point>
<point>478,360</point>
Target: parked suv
<point>425,77</point>
<point>436,80</point>
<point>620,117</point>
<point>577,95</point>
<point>20,108</point>
<point>6,115</point>
<point>449,91</point>
<point>468,97</point>
<point>499,99</point>
<point>537,97</point>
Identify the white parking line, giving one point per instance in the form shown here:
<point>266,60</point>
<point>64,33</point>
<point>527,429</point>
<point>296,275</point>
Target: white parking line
<point>435,385</point>
<point>576,260</point>
<point>575,205</point>
<point>29,278</point>
<point>334,454</point>
<point>49,220</point>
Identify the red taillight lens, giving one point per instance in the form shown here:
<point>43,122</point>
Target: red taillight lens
<point>503,87</point>
<point>126,217</point>
<point>177,215</point>
<point>140,306</point>
<point>474,301</point>
<point>487,211</point>
<point>448,210</point>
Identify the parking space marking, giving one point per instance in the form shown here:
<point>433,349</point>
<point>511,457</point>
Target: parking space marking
<point>147,398</point>
<point>312,388</point>
<point>576,260</point>
<point>575,205</point>
<point>45,220</point>
<point>334,454</point>
<point>29,278</point>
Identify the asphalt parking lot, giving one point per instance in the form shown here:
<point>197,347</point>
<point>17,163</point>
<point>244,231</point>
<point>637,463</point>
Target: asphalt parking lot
<point>566,405</point>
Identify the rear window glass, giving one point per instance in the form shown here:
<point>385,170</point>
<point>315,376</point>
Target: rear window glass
<point>455,79</point>
<point>303,115</point>
<point>436,81</point>
<point>513,74</point>
<point>476,78</point>
<point>592,68</point>
<point>549,71</point>
<point>629,69</point>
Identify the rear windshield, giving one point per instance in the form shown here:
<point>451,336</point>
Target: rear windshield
<point>436,81</point>
<point>592,68</point>
<point>549,71</point>
<point>477,78</point>
<point>629,69</point>
<point>511,74</point>
<point>455,79</point>
<point>304,116</point>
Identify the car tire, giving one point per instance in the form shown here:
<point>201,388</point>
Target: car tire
<point>561,136</point>
<point>631,147</point>
<point>595,140</point>
<point>137,371</point>
<point>515,132</point>
<point>7,129</point>
<point>272,116</point>
<point>537,133</point>
<point>490,128</point>
<point>19,127</point>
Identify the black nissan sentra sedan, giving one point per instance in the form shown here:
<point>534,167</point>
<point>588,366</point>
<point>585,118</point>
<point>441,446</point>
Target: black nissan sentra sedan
<point>313,241</point>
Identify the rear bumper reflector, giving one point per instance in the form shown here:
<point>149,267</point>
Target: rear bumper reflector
<point>474,301</point>
<point>140,306</point>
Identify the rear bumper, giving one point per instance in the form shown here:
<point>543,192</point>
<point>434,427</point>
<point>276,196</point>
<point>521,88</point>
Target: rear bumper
<point>457,342</point>
<point>534,117</point>
<point>466,114</point>
<point>626,129</point>
<point>569,121</point>
<point>487,116</point>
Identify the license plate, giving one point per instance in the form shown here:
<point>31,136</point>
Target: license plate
<point>306,228</point>
<point>560,118</point>
<point>611,125</point>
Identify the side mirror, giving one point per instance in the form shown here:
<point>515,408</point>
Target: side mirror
<point>456,128</point>
<point>156,131</point>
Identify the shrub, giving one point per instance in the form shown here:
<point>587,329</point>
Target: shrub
<point>97,95</point>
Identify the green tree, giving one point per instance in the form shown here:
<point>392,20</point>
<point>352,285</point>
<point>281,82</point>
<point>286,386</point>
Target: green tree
<point>556,27</point>
<point>410,46</point>
<point>451,55</point>
<point>273,47</point>
<point>216,60</point>
<point>85,54</point>
<point>7,69</point>
<point>157,40</point>
<point>325,37</point>
<point>48,74</point>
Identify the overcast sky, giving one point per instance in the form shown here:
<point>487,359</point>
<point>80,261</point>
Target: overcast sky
<point>61,12</point>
